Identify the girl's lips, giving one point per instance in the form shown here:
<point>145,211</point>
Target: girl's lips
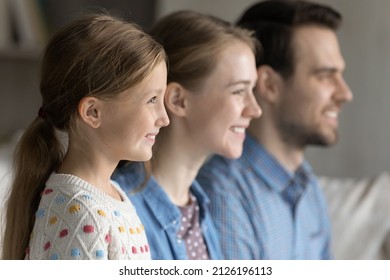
<point>151,137</point>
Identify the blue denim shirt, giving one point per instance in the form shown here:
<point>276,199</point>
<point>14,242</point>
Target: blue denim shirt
<point>161,218</point>
<point>263,211</point>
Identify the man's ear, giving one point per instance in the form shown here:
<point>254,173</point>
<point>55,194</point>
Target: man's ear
<point>175,99</point>
<point>89,111</point>
<point>269,83</point>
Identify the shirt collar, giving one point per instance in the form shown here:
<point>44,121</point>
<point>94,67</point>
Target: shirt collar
<point>268,167</point>
<point>165,212</point>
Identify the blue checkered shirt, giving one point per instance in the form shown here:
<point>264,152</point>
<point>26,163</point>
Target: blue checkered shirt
<point>263,211</point>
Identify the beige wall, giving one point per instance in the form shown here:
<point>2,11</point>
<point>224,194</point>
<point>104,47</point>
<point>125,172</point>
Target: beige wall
<point>363,149</point>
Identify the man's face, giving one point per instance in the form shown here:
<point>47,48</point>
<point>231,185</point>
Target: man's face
<point>311,99</point>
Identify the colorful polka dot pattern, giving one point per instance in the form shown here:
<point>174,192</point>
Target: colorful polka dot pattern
<point>75,222</point>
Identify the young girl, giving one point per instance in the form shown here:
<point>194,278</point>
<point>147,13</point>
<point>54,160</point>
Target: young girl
<point>210,102</point>
<point>103,81</point>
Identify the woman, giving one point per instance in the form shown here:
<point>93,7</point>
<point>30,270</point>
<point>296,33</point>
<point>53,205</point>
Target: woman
<point>210,103</point>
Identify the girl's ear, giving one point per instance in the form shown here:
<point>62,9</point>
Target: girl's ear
<point>90,111</point>
<point>175,99</point>
<point>269,83</point>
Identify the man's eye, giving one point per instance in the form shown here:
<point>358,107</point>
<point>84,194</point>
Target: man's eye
<point>325,76</point>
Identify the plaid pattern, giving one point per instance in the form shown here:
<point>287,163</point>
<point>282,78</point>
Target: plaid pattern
<point>262,211</point>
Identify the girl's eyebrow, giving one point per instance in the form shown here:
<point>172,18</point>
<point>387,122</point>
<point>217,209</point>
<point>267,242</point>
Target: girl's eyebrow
<point>158,91</point>
<point>246,82</point>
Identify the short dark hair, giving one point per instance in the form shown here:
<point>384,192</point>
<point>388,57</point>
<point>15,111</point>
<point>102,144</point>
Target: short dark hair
<point>274,21</point>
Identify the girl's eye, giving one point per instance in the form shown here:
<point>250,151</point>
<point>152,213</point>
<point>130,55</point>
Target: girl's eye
<point>239,91</point>
<point>152,100</point>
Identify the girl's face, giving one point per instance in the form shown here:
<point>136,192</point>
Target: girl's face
<point>220,112</point>
<point>131,122</point>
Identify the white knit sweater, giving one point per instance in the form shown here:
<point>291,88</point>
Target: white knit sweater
<point>75,220</point>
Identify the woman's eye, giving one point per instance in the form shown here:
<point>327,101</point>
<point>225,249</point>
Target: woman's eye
<point>152,100</point>
<point>239,91</point>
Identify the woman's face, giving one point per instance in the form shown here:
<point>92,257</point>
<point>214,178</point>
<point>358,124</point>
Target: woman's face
<point>220,111</point>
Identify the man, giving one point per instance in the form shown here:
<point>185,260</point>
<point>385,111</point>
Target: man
<point>267,204</point>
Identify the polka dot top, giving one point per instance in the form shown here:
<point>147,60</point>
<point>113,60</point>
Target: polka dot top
<point>191,232</point>
<point>75,221</point>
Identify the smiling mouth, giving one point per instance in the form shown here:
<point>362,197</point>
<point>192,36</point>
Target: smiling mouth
<point>332,114</point>
<point>151,138</point>
<point>238,129</point>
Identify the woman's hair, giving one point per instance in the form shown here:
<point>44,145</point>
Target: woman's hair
<point>94,55</point>
<point>193,42</point>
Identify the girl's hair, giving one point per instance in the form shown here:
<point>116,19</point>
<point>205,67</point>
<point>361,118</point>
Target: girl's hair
<point>193,42</point>
<point>96,54</point>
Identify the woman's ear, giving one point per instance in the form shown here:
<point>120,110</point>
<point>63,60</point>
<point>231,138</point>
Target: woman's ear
<point>175,99</point>
<point>269,83</point>
<point>89,111</point>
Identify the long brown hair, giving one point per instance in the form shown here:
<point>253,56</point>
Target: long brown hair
<point>95,54</point>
